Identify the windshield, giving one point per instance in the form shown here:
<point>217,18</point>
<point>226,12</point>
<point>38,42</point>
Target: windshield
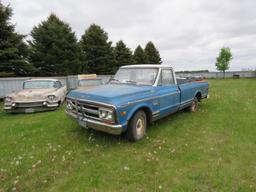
<point>44,84</point>
<point>89,82</point>
<point>138,76</point>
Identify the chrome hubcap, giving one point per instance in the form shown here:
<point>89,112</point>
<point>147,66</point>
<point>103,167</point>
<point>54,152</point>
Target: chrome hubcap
<point>140,126</point>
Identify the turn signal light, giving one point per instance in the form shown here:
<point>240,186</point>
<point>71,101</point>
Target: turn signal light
<point>123,113</point>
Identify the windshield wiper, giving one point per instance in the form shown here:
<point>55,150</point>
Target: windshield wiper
<point>113,79</point>
<point>127,81</point>
<point>130,81</point>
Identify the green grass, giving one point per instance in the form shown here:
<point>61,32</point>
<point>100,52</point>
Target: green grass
<point>213,149</point>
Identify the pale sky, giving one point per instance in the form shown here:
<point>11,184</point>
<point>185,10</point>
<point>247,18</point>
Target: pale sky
<point>188,34</point>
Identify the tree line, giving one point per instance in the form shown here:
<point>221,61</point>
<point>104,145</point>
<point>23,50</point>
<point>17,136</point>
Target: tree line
<point>53,49</point>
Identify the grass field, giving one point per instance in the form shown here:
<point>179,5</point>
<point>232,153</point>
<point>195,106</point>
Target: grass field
<point>213,149</point>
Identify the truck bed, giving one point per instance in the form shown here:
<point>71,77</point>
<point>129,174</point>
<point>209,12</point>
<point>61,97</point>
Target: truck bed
<point>187,80</point>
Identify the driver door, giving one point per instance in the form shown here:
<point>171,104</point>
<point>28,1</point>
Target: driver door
<point>168,91</point>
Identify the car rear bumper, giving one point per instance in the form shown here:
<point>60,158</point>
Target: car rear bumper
<point>30,107</point>
<point>97,125</point>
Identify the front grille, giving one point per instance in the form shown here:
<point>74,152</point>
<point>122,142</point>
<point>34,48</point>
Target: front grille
<point>25,105</point>
<point>85,109</point>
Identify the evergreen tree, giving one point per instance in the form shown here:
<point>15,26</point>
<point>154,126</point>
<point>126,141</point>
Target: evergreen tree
<point>139,56</point>
<point>54,48</point>
<point>152,53</point>
<point>123,55</point>
<point>13,51</point>
<point>98,54</point>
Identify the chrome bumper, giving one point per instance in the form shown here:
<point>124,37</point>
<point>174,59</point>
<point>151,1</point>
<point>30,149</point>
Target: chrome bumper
<point>20,107</point>
<point>97,125</point>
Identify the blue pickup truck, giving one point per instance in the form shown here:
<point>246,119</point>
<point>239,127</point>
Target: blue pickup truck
<point>135,97</point>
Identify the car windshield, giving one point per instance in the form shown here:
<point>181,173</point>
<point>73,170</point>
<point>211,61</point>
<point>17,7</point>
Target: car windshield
<point>44,84</point>
<point>89,82</point>
<point>138,76</point>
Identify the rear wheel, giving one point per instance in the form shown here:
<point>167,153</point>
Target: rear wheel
<point>137,126</point>
<point>194,105</point>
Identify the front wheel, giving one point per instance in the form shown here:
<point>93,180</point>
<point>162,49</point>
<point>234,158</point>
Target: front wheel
<point>137,126</point>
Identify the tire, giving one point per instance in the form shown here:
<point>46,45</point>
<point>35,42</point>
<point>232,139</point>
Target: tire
<point>194,105</point>
<point>137,126</point>
<point>59,103</point>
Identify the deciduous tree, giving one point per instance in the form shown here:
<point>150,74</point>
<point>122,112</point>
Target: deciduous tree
<point>223,60</point>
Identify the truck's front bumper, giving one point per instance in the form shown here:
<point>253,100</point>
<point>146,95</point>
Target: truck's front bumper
<point>97,125</point>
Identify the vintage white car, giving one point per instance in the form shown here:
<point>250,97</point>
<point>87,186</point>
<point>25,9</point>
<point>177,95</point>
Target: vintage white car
<point>36,95</point>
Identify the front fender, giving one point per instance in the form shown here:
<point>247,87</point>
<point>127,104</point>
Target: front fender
<point>137,107</point>
<point>130,111</point>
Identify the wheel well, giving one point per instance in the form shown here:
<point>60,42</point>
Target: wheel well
<point>199,96</point>
<point>147,112</point>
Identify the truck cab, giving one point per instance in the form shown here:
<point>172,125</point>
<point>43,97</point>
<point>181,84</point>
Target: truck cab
<point>136,96</point>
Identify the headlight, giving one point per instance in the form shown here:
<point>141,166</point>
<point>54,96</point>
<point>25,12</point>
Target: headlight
<point>69,105</point>
<point>8,99</point>
<point>51,97</point>
<point>106,114</point>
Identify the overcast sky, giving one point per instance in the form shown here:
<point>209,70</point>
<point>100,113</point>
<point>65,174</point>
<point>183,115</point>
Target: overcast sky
<point>187,33</point>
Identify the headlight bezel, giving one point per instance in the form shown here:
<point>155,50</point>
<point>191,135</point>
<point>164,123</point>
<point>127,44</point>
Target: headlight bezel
<point>51,98</point>
<point>106,114</point>
<point>8,99</point>
<point>69,105</point>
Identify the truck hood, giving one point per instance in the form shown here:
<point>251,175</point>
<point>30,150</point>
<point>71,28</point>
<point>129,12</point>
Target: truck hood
<point>112,93</point>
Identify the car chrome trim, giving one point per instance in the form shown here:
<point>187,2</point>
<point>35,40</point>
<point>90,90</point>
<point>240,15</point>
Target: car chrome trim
<point>155,112</point>
<point>186,101</point>
<point>7,107</point>
<point>170,106</point>
<point>28,101</point>
<point>33,104</point>
<point>52,105</point>
<point>92,111</point>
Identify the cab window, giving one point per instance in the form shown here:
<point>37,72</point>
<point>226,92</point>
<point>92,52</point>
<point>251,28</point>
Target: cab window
<point>166,77</point>
<point>57,84</point>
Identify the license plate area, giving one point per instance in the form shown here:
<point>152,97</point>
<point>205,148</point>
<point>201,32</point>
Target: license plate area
<point>29,110</point>
<point>82,123</point>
